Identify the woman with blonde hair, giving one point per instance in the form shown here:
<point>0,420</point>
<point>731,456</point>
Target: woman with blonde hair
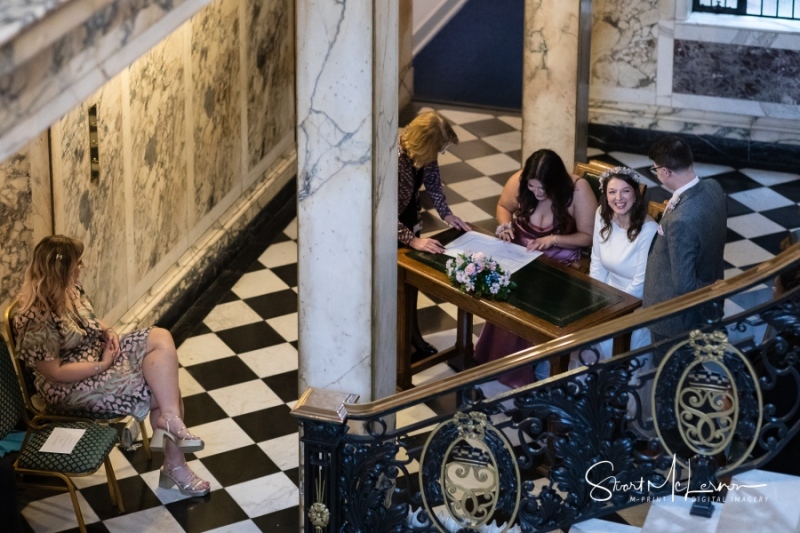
<point>419,146</point>
<point>80,364</point>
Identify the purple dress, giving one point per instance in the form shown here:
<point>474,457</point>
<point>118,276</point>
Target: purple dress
<point>496,342</point>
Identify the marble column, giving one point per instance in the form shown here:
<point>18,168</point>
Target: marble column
<point>406,53</point>
<point>555,78</point>
<point>347,195</point>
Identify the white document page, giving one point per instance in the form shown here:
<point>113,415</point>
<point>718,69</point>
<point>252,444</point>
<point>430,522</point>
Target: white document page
<point>62,440</point>
<point>511,256</point>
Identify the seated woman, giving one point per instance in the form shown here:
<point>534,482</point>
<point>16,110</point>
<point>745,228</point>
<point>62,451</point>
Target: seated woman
<point>80,364</point>
<point>542,207</point>
<point>621,241</point>
<point>419,146</point>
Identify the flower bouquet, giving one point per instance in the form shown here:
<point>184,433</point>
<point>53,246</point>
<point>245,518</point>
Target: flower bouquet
<point>480,276</point>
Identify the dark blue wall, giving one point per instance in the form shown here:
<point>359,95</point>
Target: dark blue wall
<point>476,58</point>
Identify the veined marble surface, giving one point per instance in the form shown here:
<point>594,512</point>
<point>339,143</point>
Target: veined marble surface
<point>711,32</point>
<point>18,15</point>
<point>725,125</point>
<point>192,263</point>
<point>158,153</point>
<point>337,126</point>
<point>93,210</point>
<point>216,105</point>
<point>384,201</point>
<point>25,204</point>
<point>270,69</point>
<point>754,73</point>
<point>55,64</point>
<point>549,79</point>
<point>624,42</point>
<point>406,58</point>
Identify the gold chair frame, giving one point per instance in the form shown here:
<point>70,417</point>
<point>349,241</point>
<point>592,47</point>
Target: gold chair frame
<point>27,395</point>
<point>35,424</point>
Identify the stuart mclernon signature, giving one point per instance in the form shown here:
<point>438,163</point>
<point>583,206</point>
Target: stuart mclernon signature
<point>606,487</point>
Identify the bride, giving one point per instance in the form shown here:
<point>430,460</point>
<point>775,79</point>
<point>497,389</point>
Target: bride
<point>621,241</point>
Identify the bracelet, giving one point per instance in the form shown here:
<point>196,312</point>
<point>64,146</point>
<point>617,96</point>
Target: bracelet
<point>502,228</point>
<point>96,367</point>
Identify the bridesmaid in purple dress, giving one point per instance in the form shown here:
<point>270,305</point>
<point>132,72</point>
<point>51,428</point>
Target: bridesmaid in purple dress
<point>543,208</point>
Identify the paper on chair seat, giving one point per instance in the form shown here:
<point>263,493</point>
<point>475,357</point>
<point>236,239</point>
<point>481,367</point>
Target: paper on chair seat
<point>511,256</point>
<point>62,440</point>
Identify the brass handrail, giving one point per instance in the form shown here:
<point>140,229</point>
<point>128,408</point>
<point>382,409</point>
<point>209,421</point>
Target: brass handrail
<point>719,290</point>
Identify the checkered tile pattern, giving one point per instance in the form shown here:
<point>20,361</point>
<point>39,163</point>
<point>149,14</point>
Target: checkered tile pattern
<point>239,366</point>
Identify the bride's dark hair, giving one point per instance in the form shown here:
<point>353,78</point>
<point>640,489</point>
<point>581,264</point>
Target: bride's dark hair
<point>638,210</point>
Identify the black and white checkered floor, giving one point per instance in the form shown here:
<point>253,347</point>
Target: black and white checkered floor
<point>239,375</point>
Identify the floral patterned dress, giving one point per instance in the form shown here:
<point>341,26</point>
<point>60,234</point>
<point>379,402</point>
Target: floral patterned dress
<point>120,390</point>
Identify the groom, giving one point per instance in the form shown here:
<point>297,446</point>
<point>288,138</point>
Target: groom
<point>687,251</point>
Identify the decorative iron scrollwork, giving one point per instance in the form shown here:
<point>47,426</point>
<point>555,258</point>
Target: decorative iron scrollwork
<point>707,395</point>
<point>468,468</point>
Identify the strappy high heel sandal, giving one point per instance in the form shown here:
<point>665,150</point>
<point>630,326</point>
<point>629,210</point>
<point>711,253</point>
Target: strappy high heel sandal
<point>188,487</point>
<point>187,443</point>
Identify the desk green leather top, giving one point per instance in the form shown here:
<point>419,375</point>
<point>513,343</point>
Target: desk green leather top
<point>542,290</point>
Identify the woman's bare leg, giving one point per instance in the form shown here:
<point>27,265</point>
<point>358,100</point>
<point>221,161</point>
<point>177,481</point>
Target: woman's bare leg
<point>160,369</point>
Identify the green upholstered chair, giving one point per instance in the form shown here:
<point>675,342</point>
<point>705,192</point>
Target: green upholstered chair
<point>90,453</point>
<point>37,407</point>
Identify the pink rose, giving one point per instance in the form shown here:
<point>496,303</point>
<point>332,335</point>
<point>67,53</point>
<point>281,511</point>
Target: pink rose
<point>470,269</point>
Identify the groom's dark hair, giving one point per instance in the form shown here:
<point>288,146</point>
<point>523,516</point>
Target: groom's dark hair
<point>671,152</point>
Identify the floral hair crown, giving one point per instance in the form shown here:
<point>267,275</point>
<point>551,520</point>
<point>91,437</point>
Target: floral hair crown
<point>625,171</point>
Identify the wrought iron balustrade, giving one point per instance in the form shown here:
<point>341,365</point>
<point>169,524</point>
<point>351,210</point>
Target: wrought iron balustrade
<point>662,419</point>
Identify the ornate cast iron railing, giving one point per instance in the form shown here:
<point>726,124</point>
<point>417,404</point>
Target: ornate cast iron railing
<point>668,418</point>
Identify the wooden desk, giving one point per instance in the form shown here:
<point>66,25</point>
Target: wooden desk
<point>535,324</point>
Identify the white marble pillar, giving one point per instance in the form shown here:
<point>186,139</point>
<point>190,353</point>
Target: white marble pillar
<point>347,195</point>
<point>554,101</point>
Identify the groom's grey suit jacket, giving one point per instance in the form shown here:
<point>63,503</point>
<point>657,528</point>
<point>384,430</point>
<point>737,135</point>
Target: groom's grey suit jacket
<point>687,252</point>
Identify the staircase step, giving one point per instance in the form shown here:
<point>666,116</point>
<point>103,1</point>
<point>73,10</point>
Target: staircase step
<point>775,507</point>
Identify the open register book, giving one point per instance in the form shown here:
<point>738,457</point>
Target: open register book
<point>511,257</point>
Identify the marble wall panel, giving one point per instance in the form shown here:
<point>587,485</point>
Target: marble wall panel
<point>215,103</point>
<point>93,209</point>
<point>53,65</point>
<point>624,43</point>
<point>270,75</point>
<point>736,71</point>
<point>157,100</point>
<point>25,215</point>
